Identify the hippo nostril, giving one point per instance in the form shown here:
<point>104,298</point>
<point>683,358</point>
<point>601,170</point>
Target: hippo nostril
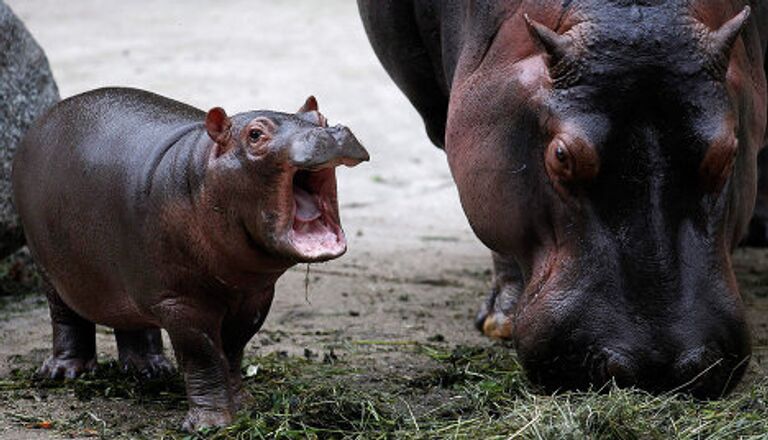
<point>691,361</point>
<point>696,368</point>
<point>610,365</point>
<point>708,373</point>
<point>620,368</point>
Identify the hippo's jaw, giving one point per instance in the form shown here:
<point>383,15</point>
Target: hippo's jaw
<point>315,233</point>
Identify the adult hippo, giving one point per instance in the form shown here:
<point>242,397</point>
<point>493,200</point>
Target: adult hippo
<point>606,152</point>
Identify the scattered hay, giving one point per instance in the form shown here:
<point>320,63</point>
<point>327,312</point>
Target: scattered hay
<point>467,392</point>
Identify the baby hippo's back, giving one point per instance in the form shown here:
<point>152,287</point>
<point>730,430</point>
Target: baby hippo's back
<point>83,180</point>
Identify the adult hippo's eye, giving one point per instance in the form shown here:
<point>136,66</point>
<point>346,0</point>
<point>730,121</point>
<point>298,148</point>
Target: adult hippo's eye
<point>255,134</point>
<point>558,160</point>
<point>570,161</point>
<point>561,153</point>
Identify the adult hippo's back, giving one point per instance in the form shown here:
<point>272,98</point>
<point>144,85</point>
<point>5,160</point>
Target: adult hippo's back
<point>606,152</point>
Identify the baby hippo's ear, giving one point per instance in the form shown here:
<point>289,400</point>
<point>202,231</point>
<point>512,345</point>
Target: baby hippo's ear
<point>219,129</point>
<point>310,105</point>
<point>310,112</point>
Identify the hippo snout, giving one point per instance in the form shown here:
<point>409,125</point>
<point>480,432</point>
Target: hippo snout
<point>702,372</point>
<point>350,148</point>
<point>584,351</point>
<point>323,147</point>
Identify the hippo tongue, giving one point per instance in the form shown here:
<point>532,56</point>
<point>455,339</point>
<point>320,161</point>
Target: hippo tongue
<point>306,205</point>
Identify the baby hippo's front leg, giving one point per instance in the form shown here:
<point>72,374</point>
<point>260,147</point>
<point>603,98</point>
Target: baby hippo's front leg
<point>196,339</point>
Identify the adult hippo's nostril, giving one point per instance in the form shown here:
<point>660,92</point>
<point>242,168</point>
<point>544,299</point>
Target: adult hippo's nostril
<point>693,363</point>
<point>608,366</point>
<point>620,368</point>
<point>707,373</point>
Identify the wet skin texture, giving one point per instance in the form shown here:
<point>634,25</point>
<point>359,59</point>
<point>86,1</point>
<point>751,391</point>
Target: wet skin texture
<point>606,152</point>
<point>145,213</point>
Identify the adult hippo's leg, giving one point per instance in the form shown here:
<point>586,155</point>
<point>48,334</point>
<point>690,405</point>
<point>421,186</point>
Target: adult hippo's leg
<point>495,318</point>
<point>410,30</point>
<point>74,340</point>
<point>397,32</point>
<point>141,351</point>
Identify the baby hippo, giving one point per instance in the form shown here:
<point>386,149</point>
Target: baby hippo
<point>145,213</point>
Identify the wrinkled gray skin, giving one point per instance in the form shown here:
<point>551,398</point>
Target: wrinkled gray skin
<point>27,88</point>
<point>145,213</point>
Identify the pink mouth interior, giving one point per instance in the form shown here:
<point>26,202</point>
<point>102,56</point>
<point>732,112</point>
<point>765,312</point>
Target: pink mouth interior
<point>315,233</point>
<point>307,209</point>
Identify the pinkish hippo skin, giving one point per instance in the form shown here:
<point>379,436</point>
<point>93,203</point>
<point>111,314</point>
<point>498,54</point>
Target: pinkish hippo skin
<point>145,213</point>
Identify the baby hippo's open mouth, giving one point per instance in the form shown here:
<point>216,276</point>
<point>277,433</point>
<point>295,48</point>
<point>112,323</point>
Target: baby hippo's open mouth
<point>316,234</point>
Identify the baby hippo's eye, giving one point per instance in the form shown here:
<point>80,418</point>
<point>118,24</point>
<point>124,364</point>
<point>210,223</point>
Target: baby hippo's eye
<point>254,135</point>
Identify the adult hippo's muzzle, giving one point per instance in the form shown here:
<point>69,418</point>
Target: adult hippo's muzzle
<point>635,323</point>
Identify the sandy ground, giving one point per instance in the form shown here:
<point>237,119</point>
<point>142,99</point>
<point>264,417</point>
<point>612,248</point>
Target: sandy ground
<point>414,269</point>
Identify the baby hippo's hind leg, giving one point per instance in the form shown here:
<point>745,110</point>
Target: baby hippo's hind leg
<point>141,351</point>
<point>74,340</point>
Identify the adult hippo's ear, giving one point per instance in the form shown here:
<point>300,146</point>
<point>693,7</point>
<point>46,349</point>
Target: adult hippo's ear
<point>557,46</point>
<point>219,128</point>
<point>718,44</point>
<point>310,112</point>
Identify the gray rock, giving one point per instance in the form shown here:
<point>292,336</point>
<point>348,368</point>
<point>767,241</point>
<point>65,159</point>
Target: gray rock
<point>27,89</point>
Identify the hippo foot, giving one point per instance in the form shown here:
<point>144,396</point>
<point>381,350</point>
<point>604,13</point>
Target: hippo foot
<point>150,366</point>
<point>200,418</point>
<point>65,368</point>
<point>497,326</point>
<point>494,318</point>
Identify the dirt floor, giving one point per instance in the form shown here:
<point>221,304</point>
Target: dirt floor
<point>414,272</point>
